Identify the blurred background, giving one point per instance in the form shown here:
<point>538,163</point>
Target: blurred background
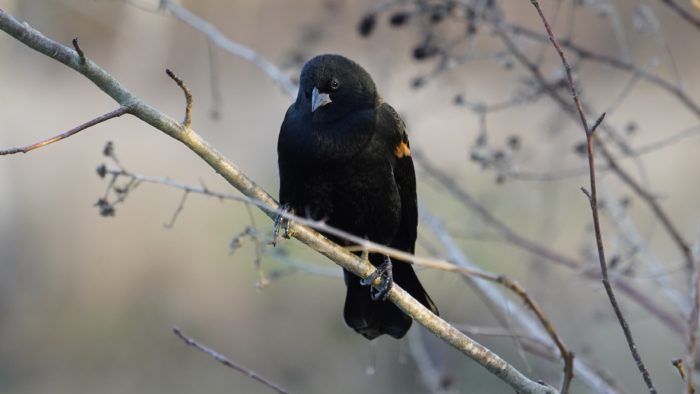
<point>87,302</point>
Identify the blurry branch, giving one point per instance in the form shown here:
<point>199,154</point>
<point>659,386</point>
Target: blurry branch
<point>593,199</point>
<point>621,220</point>
<point>612,163</point>
<point>436,380</point>
<point>586,54</point>
<point>220,40</point>
<point>683,13</point>
<point>545,351</point>
<point>227,362</point>
<point>102,79</point>
<point>254,235</point>
<point>463,196</point>
<point>507,309</point>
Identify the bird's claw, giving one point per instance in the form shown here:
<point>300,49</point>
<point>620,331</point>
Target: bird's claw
<point>281,222</point>
<point>384,272</point>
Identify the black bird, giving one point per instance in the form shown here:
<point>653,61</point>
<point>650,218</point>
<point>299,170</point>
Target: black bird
<point>344,157</point>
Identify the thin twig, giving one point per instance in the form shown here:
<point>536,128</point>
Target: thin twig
<point>178,210</point>
<point>678,363</point>
<point>188,98</point>
<point>110,115</point>
<point>79,50</point>
<point>594,203</point>
<point>227,362</point>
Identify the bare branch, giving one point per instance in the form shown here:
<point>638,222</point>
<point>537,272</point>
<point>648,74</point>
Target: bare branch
<point>227,362</point>
<point>594,204</point>
<point>110,115</point>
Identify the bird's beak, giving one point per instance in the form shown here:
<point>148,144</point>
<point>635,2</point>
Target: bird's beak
<point>318,100</point>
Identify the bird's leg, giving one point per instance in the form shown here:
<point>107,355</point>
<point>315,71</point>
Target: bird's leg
<point>386,276</point>
<point>281,222</point>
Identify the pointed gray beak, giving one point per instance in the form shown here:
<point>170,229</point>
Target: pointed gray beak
<point>318,100</point>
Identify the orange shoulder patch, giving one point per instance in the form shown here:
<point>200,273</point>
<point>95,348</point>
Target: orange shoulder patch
<point>402,150</point>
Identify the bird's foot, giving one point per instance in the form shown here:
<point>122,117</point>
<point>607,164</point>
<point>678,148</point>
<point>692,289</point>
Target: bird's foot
<point>281,223</point>
<point>386,276</point>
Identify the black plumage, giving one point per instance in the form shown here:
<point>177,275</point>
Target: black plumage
<point>344,157</point>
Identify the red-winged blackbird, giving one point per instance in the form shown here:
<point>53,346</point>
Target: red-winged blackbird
<point>344,158</point>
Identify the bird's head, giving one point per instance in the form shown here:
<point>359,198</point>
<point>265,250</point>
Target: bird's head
<point>332,86</point>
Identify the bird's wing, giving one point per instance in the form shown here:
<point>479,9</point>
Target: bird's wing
<point>286,157</point>
<point>404,176</point>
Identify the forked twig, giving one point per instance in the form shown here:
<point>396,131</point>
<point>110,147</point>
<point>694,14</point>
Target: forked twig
<point>592,197</point>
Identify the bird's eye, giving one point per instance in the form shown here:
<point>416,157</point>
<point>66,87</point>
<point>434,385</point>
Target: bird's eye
<point>334,84</point>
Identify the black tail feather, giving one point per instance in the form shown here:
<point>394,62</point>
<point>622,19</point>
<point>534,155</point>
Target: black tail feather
<point>374,318</point>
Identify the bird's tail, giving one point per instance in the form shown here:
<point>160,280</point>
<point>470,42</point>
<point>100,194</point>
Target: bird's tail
<point>374,318</point>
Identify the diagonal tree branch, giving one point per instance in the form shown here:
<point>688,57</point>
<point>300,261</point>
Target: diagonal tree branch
<point>101,78</point>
